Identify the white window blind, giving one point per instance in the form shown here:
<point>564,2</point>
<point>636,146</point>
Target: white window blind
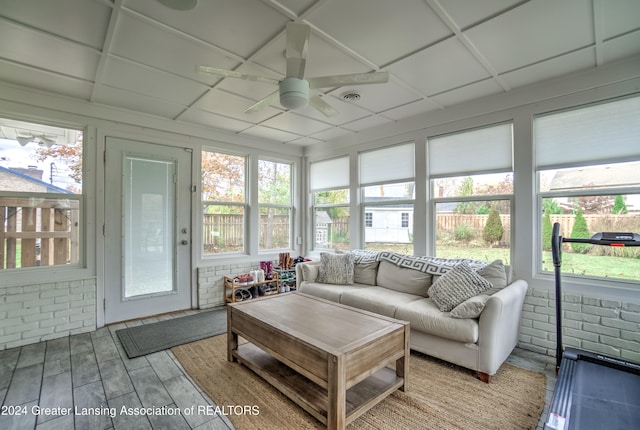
<point>486,149</point>
<point>602,132</point>
<point>328,174</point>
<point>388,164</point>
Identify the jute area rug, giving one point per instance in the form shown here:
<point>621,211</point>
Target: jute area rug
<point>439,396</point>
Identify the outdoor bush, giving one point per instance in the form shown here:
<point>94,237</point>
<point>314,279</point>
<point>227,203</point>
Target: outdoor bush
<point>547,231</point>
<point>464,232</point>
<point>493,229</point>
<point>580,231</point>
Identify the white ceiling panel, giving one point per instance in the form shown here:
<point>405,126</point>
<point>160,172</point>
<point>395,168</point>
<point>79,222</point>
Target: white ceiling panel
<point>23,45</point>
<point>271,134</point>
<point>440,68</point>
<point>534,32</point>
<point>208,119</point>
<point>238,26</point>
<point>552,68</point>
<point>140,40</point>
<point>621,47</point>
<point>467,13</point>
<point>43,80</point>
<point>619,17</point>
<point>140,55</point>
<point>381,31</point>
<point>468,92</point>
<point>87,24</point>
<point>295,123</point>
<point>151,82</point>
<point>224,103</point>
<point>136,101</point>
<point>410,109</point>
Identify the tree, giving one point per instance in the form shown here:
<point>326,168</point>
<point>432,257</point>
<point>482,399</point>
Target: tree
<point>493,229</point>
<point>619,206</point>
<point>580,230</point>
<point>466,189</point>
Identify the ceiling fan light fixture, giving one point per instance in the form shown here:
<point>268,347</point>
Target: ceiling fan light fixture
<point>294,93</point>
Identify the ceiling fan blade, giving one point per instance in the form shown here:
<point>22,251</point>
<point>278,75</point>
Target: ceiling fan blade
<point>353,79</point>
<point>297,46</point>
<point>268,100</point>
<point>236,75</point>
<point>325,108</point>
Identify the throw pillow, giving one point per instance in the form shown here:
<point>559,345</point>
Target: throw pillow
<point>403,279</point>
<point>470,308</point>
<point>456,286</point>
<point>309,272</point>
<point>496,274</point>
<point>365,273</point>
<point>336,269</point>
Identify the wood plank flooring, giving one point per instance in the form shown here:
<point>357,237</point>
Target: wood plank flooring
<point>91,374</point>
<point>84,381</point>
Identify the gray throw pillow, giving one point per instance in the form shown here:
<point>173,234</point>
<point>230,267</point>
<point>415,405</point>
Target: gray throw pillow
<point>365,273</point>
<point>456,286</point>
<point>336,269</point>
<point>470,308</point>
<point>496,274</point>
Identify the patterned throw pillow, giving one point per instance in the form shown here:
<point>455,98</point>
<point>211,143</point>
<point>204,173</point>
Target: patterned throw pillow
<point>336,269</point>
<point>456,286</point>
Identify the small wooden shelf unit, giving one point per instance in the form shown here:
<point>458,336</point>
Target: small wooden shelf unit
<point>230,285</point>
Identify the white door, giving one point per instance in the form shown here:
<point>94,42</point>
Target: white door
<point>147,229</point>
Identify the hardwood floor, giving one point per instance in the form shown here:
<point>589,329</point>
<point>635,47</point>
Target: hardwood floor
<point>84,381</point>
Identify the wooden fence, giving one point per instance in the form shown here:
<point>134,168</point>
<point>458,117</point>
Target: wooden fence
<point>226,231</point>
<point>38,232</point>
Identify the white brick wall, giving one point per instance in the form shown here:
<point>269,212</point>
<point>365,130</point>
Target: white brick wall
<point>33,313</point>
<point>210,282</point>
<point>606,326</point>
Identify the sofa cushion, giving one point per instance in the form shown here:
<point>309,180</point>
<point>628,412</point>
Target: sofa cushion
<point>456,286</point>
<point>470,308</point>
<point>336,269</point>
<point>403,279</point>
<point>424,316</point>
<point>331,292</point>
<point>377,299</point>
<point>365,273</point>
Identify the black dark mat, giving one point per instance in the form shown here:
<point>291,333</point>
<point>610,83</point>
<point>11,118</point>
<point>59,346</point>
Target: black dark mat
<point>149,338</point>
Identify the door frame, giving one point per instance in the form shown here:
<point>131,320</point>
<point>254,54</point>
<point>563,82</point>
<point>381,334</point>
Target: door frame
<point>99,140</point>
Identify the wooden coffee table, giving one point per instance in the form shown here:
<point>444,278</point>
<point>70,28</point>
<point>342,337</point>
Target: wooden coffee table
<point>328,358</point>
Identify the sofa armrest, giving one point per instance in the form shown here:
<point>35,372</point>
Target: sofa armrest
<point>307,271</point>
<point>499,326</point>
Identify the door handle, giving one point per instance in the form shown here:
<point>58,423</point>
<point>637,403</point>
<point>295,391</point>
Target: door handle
<point>184,242</point>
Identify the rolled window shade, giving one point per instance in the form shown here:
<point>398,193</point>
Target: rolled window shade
<point>388,164</point>
<point>488,149</point>
<point>326,174</point>
<point>597,133</point>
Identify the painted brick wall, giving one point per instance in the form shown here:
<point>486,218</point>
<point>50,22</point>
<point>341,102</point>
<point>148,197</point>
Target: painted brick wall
<point>606,326</point>
<point>210,282</point>
<point>33,313</point>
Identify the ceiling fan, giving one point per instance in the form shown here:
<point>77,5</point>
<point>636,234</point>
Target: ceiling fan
<point>293,89</point>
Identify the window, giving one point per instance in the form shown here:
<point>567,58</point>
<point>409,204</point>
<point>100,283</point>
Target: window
<point>276,204</point>
<point>224,204</point>
<point>388,191</point>
<point>471,175</point>
<point>40,195</point>
<point>368,219</point>
<point>584,185</point>
<point>329,183</point>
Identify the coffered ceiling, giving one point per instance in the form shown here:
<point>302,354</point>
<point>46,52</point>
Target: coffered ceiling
<point>141,55</point>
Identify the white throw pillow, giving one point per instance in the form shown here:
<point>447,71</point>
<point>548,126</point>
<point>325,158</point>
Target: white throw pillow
<point>470,308</point>
<point>336,269</point>
<point>456,286</point>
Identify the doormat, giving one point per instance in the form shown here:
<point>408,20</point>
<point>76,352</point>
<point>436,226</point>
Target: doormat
<point>149,338</point>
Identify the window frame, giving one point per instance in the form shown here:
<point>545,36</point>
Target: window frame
<point>289,206</point>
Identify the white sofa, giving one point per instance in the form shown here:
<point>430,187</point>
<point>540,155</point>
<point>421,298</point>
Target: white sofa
<point>382,285</point>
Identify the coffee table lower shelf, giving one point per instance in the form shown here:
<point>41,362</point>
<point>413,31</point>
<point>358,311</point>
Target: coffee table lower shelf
<point>309,395</point>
